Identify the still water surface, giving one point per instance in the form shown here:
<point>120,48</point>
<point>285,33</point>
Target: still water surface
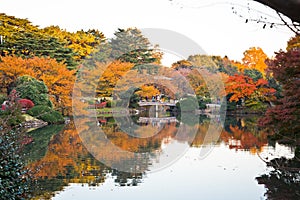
<point>64,169</point>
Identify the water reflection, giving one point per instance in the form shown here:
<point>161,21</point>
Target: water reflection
<point>66,160</point>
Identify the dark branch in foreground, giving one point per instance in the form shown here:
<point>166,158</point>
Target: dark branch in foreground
<point>289,8</point>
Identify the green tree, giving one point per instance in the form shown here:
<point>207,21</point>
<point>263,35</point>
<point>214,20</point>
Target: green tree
<point>253,73</point>
<point>101,54</point>
<point>81,42</point>
<point>33,89</point>
<point>21,38</point>
<point>131,46</point>
<point>28,45</point>
<point>225,65</point>
<point>203,61</point>
<point>213,63</point>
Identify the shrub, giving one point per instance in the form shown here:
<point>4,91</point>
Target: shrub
<point>188,104</point>
<point>38,110</point>
<point>33,89</point>
<point>2,98</point>
<point>26,103</point>
<point>53,117</point>
<point>109,104</point>
<point>13,175</point>
<point>46,114</point>
<point>257,106</point>
<point>202,102</point>
<point>14,111</point>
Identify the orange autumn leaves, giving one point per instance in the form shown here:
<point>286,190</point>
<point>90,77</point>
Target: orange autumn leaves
<point>56,76</point>
<point>242,87</point>
<point>60,80</point>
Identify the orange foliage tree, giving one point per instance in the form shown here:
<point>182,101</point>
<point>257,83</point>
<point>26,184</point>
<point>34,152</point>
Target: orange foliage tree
<point>111,75</point>
<point>11,68</point>
<point>244,87</point>
<point>56,76</point>
<point>240,87</point>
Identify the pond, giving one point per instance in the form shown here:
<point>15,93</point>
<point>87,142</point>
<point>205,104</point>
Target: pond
<point>214,165</point>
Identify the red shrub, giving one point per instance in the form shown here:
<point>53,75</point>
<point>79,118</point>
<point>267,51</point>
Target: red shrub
<point>26,103</point>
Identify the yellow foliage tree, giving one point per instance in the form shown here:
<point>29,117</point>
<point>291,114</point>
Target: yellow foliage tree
<point>82,42</point>
<point>148,91</point>
<point>254,58</point>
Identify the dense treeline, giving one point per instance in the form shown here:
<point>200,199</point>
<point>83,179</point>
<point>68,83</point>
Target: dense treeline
<point>39,65</point>
<point>54,56</point>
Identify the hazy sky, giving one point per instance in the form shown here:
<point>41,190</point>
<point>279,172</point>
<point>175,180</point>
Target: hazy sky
<point>210,23</point>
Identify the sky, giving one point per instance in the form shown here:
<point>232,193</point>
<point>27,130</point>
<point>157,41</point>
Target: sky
<point>210,23</point>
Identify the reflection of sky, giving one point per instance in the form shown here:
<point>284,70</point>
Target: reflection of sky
<point>224,174</point>
<point>278,151</point>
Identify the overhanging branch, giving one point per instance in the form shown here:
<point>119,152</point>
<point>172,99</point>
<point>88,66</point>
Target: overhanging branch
<point>289,8</point>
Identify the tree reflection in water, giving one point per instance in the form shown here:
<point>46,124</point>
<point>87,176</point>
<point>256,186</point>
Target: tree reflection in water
<point>68,161</point>
<point>283,180</point>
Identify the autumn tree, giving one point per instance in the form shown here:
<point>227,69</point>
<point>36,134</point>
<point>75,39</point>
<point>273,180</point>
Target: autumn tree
<point>244,88</point>
<point>285,116</point>
<point>56,77</point>
<point>204,61</point>
<point>10,24</point>
<point>26,103</point>
<point>19,37</point>
<point>225,65</point>
<point>262,96</point>
<point>148,91</point>
<point>213,63</point>
<point>83,43</point>
<point>198,84</point>
<point>204,81</point>
<point>112,74</point>
<point>11,68</point>
<point>182,64</point>
<point>293,43</point>
<point>22,39</point>
<point>239,87</point>
<point>254,58</point>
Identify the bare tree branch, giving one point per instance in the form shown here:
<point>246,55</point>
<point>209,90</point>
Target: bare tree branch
<point>293,30</point>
